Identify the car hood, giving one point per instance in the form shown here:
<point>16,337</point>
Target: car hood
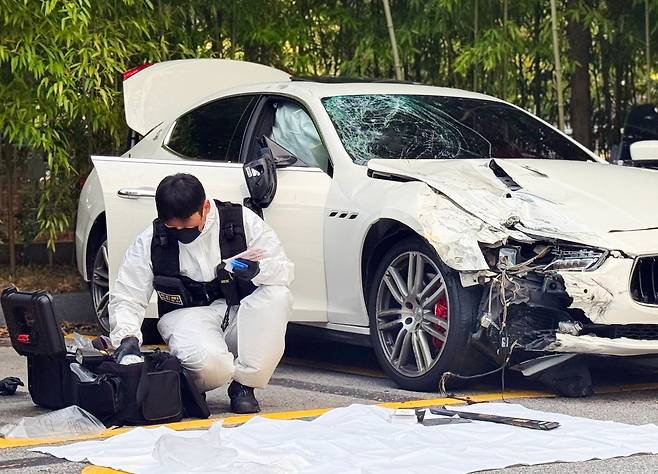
<point>591,203</point>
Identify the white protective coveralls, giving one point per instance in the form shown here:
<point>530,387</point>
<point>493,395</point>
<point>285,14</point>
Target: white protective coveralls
<point>256,331</point>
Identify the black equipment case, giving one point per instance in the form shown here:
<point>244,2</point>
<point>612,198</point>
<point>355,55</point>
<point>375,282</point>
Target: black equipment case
<point>151,392</point>
<point>32,325</point>
<point>35,333</point>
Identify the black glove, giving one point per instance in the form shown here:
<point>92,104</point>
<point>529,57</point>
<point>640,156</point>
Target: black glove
<point>100,343</point>
<point>129,346</point>
<point>9,385</point>
<point>246,274</point>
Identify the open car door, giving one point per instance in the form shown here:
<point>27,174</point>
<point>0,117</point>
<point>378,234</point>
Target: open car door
<point>129,184</point>
<point>297,210</point>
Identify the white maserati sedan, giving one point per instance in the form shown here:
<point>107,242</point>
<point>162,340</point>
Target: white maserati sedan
<point>449,230</point>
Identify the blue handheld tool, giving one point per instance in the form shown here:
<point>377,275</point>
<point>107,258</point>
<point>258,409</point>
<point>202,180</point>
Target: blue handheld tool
<point>239,264</point>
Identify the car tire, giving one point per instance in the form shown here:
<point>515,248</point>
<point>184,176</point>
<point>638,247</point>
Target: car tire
<point>99,284</point>
<point>418,335</point>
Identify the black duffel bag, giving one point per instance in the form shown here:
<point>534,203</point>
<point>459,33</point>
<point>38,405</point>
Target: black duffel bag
<point>156,391</point>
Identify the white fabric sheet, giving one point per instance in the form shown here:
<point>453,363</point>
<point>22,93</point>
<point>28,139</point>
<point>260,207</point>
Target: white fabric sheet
<point>360,439</point>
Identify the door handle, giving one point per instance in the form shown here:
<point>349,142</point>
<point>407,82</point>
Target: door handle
<point>136,193</point>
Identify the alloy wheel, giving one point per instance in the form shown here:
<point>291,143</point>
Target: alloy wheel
<point>412,313</point>
<point>100,286</point>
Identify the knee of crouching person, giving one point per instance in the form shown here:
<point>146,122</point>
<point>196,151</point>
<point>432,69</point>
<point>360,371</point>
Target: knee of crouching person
<point>280,295</point>
<point>270,297</point>
<point>215,369</point>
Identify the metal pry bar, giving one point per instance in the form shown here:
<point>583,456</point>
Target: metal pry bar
<point>505,420</point>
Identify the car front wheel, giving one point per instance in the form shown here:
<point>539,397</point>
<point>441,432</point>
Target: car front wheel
<point>421,317</point>
<point>100,287</point>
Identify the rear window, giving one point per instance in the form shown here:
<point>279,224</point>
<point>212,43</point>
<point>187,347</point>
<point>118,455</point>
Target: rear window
<point>214,131</point>
<point>392,126</point>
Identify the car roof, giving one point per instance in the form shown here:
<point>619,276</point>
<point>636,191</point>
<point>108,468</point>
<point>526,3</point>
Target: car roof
<point>323,89</point>
<point>319,90</point>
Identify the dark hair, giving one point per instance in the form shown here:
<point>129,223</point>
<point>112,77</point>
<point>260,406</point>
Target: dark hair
<point>179,196</point>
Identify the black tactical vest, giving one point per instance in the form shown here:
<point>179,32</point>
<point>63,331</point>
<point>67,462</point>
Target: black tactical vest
<point>176,291</point>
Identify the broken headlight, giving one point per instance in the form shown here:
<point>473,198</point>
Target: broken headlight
<point>579,260</point>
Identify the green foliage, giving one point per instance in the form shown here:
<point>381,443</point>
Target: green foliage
<point>60,64</point>
<point>61,61</point>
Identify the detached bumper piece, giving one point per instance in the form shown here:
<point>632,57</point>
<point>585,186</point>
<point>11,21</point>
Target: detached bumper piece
<point>587,344</point>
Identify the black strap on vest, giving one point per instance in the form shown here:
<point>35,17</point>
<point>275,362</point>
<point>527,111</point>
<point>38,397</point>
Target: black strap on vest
<point>176,291</point>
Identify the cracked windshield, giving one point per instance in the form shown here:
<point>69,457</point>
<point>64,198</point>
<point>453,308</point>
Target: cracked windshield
<point>434,127</point>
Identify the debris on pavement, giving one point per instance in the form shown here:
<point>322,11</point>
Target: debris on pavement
<point>444,420</point>
<point>69,421</point>
<point>403,416</point>
<point>505,420</point>
<point>361,437</point>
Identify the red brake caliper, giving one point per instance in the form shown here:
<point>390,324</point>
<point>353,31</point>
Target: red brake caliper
<point>441,312</point>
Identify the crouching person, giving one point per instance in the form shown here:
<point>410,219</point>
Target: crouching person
<point>224,319</point>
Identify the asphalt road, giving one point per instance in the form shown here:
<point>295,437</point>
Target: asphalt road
<point>320,375</point>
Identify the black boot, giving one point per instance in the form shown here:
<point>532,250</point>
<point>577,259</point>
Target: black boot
<point>242,398</point>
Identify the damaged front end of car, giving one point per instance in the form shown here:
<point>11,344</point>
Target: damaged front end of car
<point>544,300</point>
<point>525,308</point>
<point>525,303</point>
<point>558,281</point>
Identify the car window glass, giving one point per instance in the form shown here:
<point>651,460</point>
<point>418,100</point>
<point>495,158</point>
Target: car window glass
<point>295,131</point>
<point>438,127</point>
<point>213,131</point>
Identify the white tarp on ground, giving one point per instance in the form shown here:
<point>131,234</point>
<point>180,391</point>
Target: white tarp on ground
<point>359,439</point>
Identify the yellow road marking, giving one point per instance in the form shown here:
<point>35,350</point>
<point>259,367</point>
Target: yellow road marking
<point>285,415</point>
<point>101,470</point>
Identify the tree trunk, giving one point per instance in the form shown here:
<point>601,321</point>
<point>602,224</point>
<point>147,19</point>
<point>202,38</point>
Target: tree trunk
<point>618,118</point>
<point>450,60</point>
<point>476,27</point>
<point>558,66</point>
<point>418,60</point>
<point>598,127</point>
<point>579,36</point>
<point>647,38</point>
<point>522,83</point>
<point>607,96</point>
<point>503,81</point>
<point>394,44</point>
<point>11,216</point>
<point>618,13</point>
<point>537,82</point>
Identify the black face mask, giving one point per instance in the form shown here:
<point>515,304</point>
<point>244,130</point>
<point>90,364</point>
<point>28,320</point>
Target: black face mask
<point>187,235</point>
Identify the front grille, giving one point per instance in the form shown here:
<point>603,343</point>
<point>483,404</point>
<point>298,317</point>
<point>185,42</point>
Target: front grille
<point>644,282</point>
<point>647,332</point>
<point>637,331</point>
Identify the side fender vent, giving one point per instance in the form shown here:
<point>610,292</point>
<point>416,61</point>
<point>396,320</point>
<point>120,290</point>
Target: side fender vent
<point>339,214</point>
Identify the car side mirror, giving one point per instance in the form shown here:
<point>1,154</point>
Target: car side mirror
<point>645,152</point>
<point>284,161</point>
<point>260,176</point>
<point>282,157</point>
